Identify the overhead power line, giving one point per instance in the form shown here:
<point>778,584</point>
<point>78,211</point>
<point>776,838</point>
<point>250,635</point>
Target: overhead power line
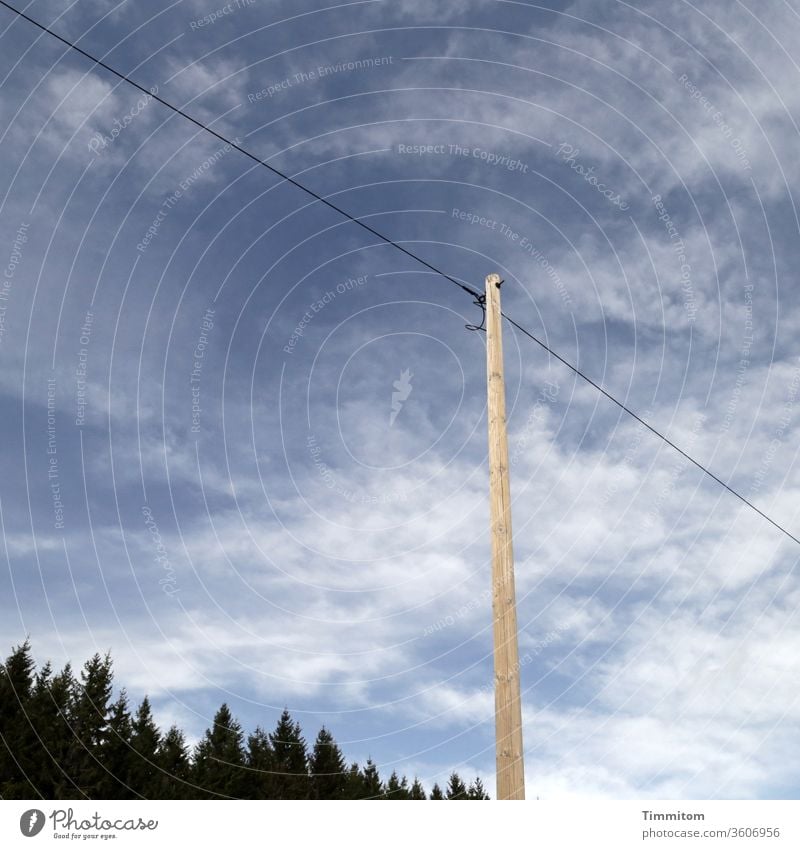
<point>242,150</point>
<point>476,295</point>
<point>649,427</point>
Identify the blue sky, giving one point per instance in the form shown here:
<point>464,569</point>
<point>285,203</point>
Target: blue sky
<point>233,509</point>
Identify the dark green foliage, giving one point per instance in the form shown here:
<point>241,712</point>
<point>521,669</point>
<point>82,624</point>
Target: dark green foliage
<point>219,758</point>
<point>354,784</point>
<point>174,767</point>
<point>291,759</point>
<point>371,782</point>
<point>456,789</point>
<point>63,739</point>
<point>476,790</point>
<point>260,777</point>
<point>397,788</point>
<point>17,743</point>
<point>117,751</point>
<point>145,740</point>
<point>327,768</point>
<point>50,710</point>
<point>89,718</point>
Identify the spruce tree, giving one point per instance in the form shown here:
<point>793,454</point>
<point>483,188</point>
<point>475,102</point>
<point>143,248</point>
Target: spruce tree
<point>116,753</point>
<point>327,768</point>
<point>291,759</point>
<point>397,788</point>
<point>476,790</point>
<point>456,789</point>
<point>145,740</point>
<point>261,782</point>
<point>372,786</point>
<point>31,755</point>
<point>174,767</point>
<point>219,758</point>
<point>89,719</point>
<point>51,707</point>
<point>354,784</point>
<point>17,741</point>
<point>64,739</point>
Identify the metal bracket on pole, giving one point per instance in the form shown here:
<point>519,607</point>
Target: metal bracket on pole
<point>480,301</point>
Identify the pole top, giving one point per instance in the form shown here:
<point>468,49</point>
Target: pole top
<point>494,278</point>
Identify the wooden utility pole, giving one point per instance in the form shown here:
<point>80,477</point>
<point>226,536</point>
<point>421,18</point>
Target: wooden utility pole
<point>508,712</point>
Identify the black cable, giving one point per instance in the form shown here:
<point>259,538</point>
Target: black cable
<point>648,426</point>
<point>235,146</point>
<point>473,292</point>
